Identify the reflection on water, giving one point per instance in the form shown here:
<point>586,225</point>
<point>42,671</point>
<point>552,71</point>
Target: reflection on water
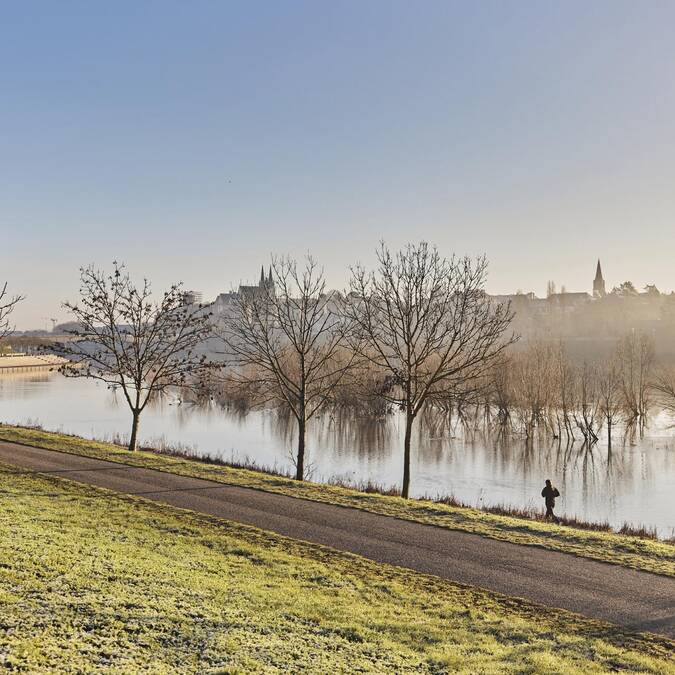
<point>632,482</point>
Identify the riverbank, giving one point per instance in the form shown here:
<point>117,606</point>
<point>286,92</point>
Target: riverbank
<point>632,484</point>
<point>95,580</point>
<point>629,551</point>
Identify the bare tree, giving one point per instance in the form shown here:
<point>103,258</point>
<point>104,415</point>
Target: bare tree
<point>428,324</point>
<point>635,354</point>
<point>664,386</point>
<point>287,342</point>
<point>609,385</point>
<point>565,385</point>
<point>131,342</point>
<point>533,375</point>
<point>7,305</point>
<point>588,407</point>
<point>500,394</point>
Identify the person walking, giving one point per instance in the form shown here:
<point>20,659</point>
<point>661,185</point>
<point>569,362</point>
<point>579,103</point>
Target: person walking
<point>549,493</point>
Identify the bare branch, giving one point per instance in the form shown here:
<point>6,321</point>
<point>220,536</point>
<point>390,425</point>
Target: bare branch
<point>7,306</point>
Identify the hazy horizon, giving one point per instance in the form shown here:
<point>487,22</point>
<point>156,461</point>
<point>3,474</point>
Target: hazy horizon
<point>190,141</point>
<point>45,320</point>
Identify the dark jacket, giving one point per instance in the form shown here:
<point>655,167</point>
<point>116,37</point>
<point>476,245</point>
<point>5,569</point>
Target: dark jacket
<point>549,494</point>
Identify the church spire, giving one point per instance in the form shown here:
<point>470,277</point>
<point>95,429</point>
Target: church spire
<point>598,282</point>
<point>262,276</point>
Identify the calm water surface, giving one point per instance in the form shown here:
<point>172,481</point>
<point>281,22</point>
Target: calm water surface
<point>633,482</point>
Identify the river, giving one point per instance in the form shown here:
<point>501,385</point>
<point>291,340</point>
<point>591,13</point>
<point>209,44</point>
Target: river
<point>634,483</point>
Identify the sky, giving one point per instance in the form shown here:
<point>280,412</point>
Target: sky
<point>193,139</point>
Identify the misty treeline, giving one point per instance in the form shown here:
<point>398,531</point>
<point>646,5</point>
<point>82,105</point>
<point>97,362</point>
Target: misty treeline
<point>416,334</point>
<point>539,387</point>
<point>531,390</point>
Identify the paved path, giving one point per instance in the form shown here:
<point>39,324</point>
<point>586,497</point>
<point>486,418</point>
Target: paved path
<point>635,600</point>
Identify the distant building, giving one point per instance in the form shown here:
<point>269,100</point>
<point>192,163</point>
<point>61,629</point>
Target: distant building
<point>264,284</point>
<point>193,297</point>
<point>224,302</point>
<point>599,283</point>
<point>568,301</point>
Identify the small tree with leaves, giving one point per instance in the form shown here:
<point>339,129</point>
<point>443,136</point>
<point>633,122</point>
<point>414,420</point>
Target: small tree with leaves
<point>7,306</point>
<point>132,342</point>
<point>287,343</point>
<point>427,322</point>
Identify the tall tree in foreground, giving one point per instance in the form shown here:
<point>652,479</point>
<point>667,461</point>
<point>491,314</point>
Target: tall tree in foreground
<point>288,343</point>
<point>7,305</point>
<point>131,342</point>
<point>426,322</point>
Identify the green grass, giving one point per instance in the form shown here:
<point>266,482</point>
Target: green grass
<point>629,551</point>
<point>92,581</point>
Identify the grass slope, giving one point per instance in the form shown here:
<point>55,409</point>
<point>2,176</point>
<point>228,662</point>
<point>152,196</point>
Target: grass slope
<point>92,581</point>
<point>628,551</point>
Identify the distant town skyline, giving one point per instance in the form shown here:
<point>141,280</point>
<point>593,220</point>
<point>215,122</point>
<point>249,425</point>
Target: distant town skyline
<point>190,140</point>
<point>47,320</point>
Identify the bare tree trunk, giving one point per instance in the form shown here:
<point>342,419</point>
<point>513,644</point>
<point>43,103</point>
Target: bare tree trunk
<point>409,419</point>
<point>300,462</point>
<point>134,430</point>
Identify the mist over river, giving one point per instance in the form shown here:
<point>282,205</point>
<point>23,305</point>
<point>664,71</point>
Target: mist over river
<point>634,483</point>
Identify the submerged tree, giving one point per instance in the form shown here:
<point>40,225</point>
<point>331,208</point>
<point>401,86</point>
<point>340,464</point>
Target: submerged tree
<point>609,386</point>
<point>428,324</point>
<point>564,391</point>
<point>635,355</point>
<point>287,343</point>
<point>589,405</point>
<point>664,387</point>
<point>7,305</point>
<point>534,372</point>
<point>131,342</point>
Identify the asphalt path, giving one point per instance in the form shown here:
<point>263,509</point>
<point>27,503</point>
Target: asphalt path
<point>638,601</point>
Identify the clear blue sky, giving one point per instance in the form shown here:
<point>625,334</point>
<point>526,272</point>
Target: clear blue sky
<point>191,139</point>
